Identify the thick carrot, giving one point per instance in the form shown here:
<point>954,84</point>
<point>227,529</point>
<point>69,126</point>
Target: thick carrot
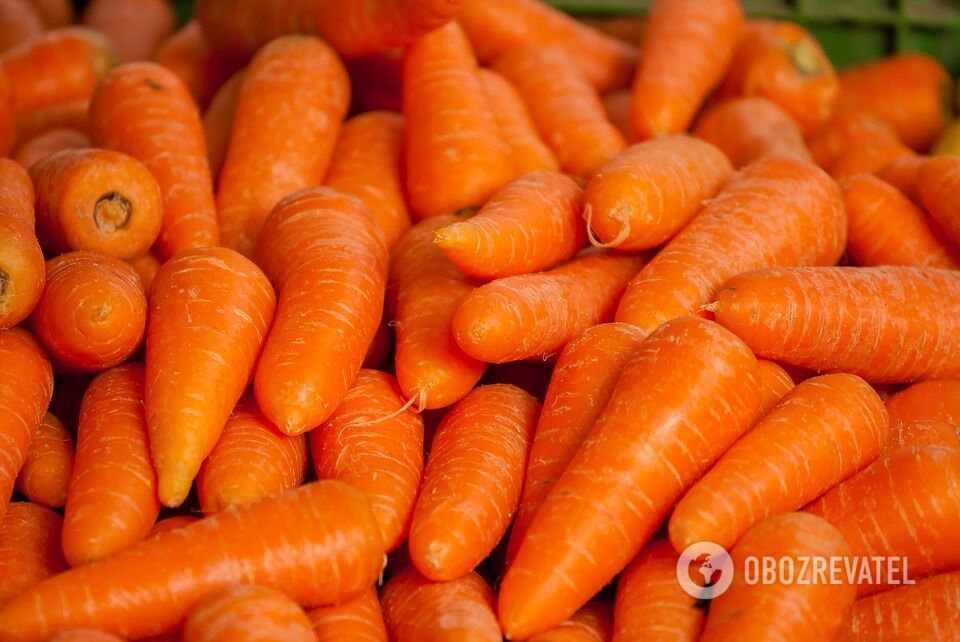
<point>580,386</point>
<point>144,110</point>
<point>471,486</point>
<point>146,266</point>
<point>535,315</point>
<point>326,254</point>
<point>846,131</point>
<point>359,620</point>
<point>455,156</point>
<point>644,196</point>
<point>319,544</point>
<point>26,385</point>
<point>777,211</point>
<point>775,382</point>
<point>248,613</point>
<point>416,609</point>
<point>921,433</point>
<point>48,465</point>
<point>651,605</point>
<point>295,88</point>
<point>823,431</point>
<point>566,110</point>
<point>617,105</point>
<point>904,174</point>
<point>642,453</point>
<point>188,55</point>
<point>68,115</point>
<point>592,623</point>
<point>135,27</point>
<point>49,143</point>
<point>93,312</point>
<point>22,271</point>
<point>804,609</point>
<point>209,313</point>
<point>19,22</point>
<point>852,320</point>
<point>937,183</point>
<point>748,129</point>
<point>375,444</point>
<point>54,13</point>
<point>218,122</point>
<point>367,164</point>
<point>172,523</point>
<point>252,459</point>
<point>84,635</point>
<point>928,401</point>
<point>29,548</point>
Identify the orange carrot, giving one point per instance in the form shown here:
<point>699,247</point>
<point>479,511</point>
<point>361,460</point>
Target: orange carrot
<point>188,55</point>
<point>566,110</point>
<point>84,635</point>
<point>252,459</point>
<point>209,313</point>
<point>785,313</point>
<point>748,129</point>
<point>172,523</point>
<point>146,266</point>
<point>775,382</point>
<point>644,196</point>
<point>937,183</point>
<point>135,27</point>
<point>870,157</point>
<point>295,88</point>
<point>327,256</point>
<point>144,110</point>
<point>247,614</point>
<point>318,544</point>
<point>19,22</point>
<point>68,115</point>
<point>642,453</point>
<point>777,211</point>
<point>218,122</point>
<point>617,105</point>
<point>922,433</point>
<point>928,401</point>
<point>49,143</point>
<point>359,620</point>
<point>904,174</point>
<point>592,623</point>
<point>29,548</point>
<point>848,131</point>
<point>22,272</point>
<point>46,469</point>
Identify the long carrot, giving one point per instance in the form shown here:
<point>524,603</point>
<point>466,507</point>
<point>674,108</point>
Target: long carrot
<point>49,143</point>
<point>566,110</point>
<point>218,122</point>
<point>189,56</point>
<point>359,620</point>
<point>777,211</point>
<point>247,614</point>
<point>84,635</point>
<point>326,254</point>
<point>22,271</point>
<point>54,13</point>
<point>937,181</point>
<point>135,27</point>
<point>46,470</point>
<point>644,196</point>
<point>922,433</point>
<point>927,401</point>
<point>209,313</point>
<point>748,129</point>
<point>642,453</point>
<point>252,459</point>
<point>318,544</point>
<point>785,313</point>
<point>19,22</point>
<point>592,623</point>
<point>29,548</point>
<point>146,266</point>
<point>144,110</point>
<point>775,382</point>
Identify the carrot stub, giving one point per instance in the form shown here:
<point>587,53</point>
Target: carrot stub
<point>46,470</point>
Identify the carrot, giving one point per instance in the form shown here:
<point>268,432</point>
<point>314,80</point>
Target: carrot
<point>775,382</point>
<point>19,22</point>
<point>805,609</point>
<point>252,459</point>
<point>850,319</point>
<point>592,623</point>
<point>777,211</point>
<point>144,110</point>
<point>641,454</point>
<point>644,196</point>
<point>218,122</point>
<point>84,635</point>
<point>29,548</point>
<point>847,131</point>
<point>326,254</point>
<point>450,127</point>
<point>922,433</point>
<point>54,13</point>
<point>373,443</point>
<point>8,116</point>
<point>533,223</point>
<point>318,544</point>
<point>359,620</point>
<point>471,486</point>
<point>417,609</point>
<point>46,469</point>
<point>566,110</point>
<point>904,174</point>
<point>68,115</point>
<point>294,88</point>
<point>49,143</point>
<point>189,56</point>
<point>172,523</point>
<point>135,27</point>
<point>209,313</point>
<point>937,183</point>
<point>26,385</point>
<point>651,605</point>
<point>617,106</point>
<point>247,614</point>
<point>927,401</point>
<point>528,152</point>
<point>146,266</point>
<point>907,504</point>
<point>580,386</point>
<point>748,129</point>
<point>367,164</point>
<point>869,157</point>
<point>22,272</point>
<point>605,62</point>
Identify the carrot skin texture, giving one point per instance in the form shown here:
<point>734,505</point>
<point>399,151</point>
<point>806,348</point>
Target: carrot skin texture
<point>172,523</point>
<point>328,527</point>
<point>209,313</point>
<point>46,470</point>
<point>922,433</point>
<point>929,400</point>
<point>359,620</point>
<point>188,54</point>
<point>592,623</point>
<point>631,469</point>
<point>22,270</point>
<point>775,382</point>
<point>49,143</point>
<point>135,27</point>
<point>29,548</point>
<point>937,182</point>
<point>247,614</point>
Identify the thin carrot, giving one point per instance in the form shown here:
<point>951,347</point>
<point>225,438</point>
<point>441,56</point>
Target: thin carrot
<point>844,319</point>
<point>19,22</point>
<point>93,312</point>
<point>146,266</point>
<point>248,613</point>
<point>84,635</point>
<point>775,382</point>
<point>566,110</point>
<point>68,115</point>
<point>644,196</point>
<point>748,129</point>
<point>641,454</point>
<point>22,272</point>
<point>252,459</point>
<point>218,122</point>
<point>359,620</point>
<point>937,183</point>
<point>135,27</point>
<point>209,313</point>
<point>54,13</point>
<point>804,609</point>
<point>189,56</point>
<point>927,401</point>
<point>29,548</point>
<point>48,465</point>
<point>846,131</point>
<point>144,110</point>
<point>49,143</point>
<point>294,88</point>
<point>172,523</point>
<point>904,174</point>
<point>326,254</point>
<point>921,433</point>
<point>777,211</point>
<point>617,105</point>
<point>318,544</point>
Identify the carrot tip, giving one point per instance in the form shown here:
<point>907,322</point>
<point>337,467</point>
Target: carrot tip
<point>594,241</point>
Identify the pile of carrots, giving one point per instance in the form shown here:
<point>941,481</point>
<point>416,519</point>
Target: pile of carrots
<point>450,320</point>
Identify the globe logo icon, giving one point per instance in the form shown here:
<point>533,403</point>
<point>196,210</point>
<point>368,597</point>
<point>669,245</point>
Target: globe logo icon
<point>712,563</point>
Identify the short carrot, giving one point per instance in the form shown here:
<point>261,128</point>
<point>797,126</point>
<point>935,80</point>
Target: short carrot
<point>252,459</point>
<point>775,382</point>
<point>937,181</point>
<point>359,620</point>
<point>54,13</point>
<point>904,174</point>
<point>636,462</point>
<point>757,220</point>
<point>172,523</point>
<point>927,401</point>
<point>218,122</point>
<point>135,27</point>
<point>49,143</point>
<point>617,105</point>
<point>318,544</point>
<point>188,54</point>
<point>922,433</point>
<point>29,548</point>
<point>19,22</point>
<point>46,470</point>
<point>68,115</point>
<point>748,129</point>
<point>247,613</point>
<point>644,196</point>
<point>146,266</point>
<point>84,635</point>
<point>209,313</point>
<point>22,272</point>
<point>592,623</point>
